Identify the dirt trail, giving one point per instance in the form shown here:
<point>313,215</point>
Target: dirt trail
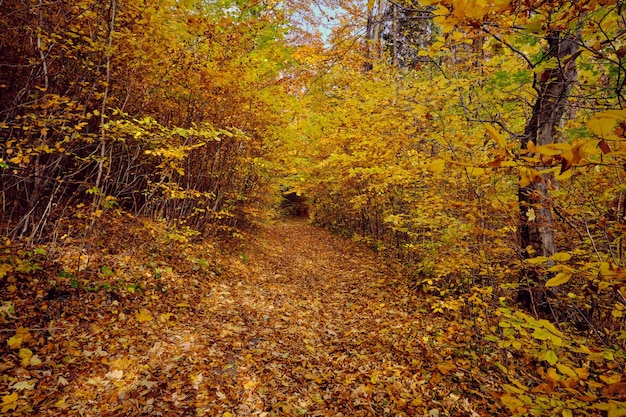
<point>298,323</point>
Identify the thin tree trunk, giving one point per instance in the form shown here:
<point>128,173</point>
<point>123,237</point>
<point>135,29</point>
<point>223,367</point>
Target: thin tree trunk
<point>394,35</point>
<point>553,87</point>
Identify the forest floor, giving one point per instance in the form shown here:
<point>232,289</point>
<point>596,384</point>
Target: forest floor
<point>295,322</point>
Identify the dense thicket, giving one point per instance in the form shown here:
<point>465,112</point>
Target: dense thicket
<point>158,107</point>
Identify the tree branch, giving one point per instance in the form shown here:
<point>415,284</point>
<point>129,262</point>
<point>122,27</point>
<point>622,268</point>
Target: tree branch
<point>511,47</point>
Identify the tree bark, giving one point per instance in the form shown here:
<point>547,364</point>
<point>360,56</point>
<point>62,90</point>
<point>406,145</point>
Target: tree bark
<point>553,87</point>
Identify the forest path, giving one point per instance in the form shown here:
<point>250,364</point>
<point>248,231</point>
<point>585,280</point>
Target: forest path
<point>318,322</point>
<point>299,322</point>
<point>312,324</point>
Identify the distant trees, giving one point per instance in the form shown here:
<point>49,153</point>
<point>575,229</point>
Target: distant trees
<point>399,30</point>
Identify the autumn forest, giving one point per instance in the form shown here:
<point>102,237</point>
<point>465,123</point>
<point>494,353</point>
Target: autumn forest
<point>329,208</point>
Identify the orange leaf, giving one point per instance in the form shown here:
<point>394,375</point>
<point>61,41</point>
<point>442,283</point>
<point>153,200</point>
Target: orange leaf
<point>446,367</point>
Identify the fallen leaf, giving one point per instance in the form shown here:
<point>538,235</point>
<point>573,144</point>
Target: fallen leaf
<point>165,317</point>
<point>23,385</point>
<point>249,384</point>
<point>446,367</point>
<point>143,315</point>
<point>115,374</point>
<point>9,402</point>
<point>61,403</point>
<point>25,355</point>
<point>21,335</point>
<point>120,363</point>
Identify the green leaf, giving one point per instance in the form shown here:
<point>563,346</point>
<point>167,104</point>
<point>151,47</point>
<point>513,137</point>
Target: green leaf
<point>65,274</point>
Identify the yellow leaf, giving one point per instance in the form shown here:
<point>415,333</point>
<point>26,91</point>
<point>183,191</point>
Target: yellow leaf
<point>496,136</point>
<point>165,316</point>
<point>227,414</point>
<point>143,315</point>
<point>249,384</point>
<point>524,182</point>
<point>417,402</point>
<point>547,150</point>
<point>566,370</point>
<point>25,355</point>
<point>611,379</point>
<point>456,36</point>
<point>567,413</point>
<point>616,409</point>
<point>121,363</point>
<point>563,146</point>
<point>583,373</point>
<point>9,402</point>
<point>60,403</point>
<point>564,176</point>
<point>541,334</point>
<point>612,114</point>
<point>603,123</point>
<point>561,257</point>
<point>446,367</point>
<point>475,171</point>
<point>374,378</point>
<point>438,165</point>
<point>551,357</point>
<point>602,127</point>
<point>21,335</point>
<point>511,388</point>
<point>537,260</point>
<point>559,279</point>
<point>511,402</point>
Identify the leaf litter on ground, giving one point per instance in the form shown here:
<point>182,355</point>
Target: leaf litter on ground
<point>296,321</point>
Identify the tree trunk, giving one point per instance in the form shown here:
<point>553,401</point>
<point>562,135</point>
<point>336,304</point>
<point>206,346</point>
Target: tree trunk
<point>553,87</point>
